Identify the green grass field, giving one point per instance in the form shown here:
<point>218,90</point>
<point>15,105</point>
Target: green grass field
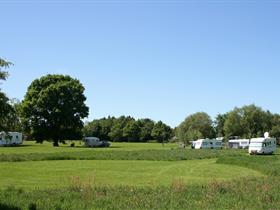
<point>44,174</point>
<point>46,147</point>
<point>136,176</point>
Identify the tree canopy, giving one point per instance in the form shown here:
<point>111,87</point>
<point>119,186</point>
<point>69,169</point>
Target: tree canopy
<point>127,129</point>
<point>195,126</point>
<point>161,132</point>
<point>248,121</point>
<point>7,112</point>
<point>53,108</point>
<point>4,64</point>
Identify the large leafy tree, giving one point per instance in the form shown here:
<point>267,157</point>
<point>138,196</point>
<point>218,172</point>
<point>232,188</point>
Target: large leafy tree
<point>195,126</point>
<point>53,108</point>
<point>248,121</point>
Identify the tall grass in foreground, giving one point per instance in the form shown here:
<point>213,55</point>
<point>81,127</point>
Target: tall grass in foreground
<point>248,193</point>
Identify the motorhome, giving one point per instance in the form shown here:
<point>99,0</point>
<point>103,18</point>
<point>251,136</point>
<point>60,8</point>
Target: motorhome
<point>239,143</point>
<point>264,145</point>
<point>207,144</point>
<point>95,142</point>
<point>10,138</point>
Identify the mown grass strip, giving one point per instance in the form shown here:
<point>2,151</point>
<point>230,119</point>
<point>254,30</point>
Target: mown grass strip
<point>154,155</point>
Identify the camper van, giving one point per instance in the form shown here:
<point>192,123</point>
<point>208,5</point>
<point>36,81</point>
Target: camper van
<point>239,143</point>
<point>264,145</point>
<point>95,142</point>
<point>207,144</point>
<point>10,138</point>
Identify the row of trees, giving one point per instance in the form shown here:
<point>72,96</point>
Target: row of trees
<point>245,122</point>
<point>128,129</point>
<point>54,107</point>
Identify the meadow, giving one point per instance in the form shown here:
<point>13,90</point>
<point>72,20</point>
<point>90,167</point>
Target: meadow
<point>136,176</point>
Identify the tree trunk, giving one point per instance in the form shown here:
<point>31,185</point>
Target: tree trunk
<point>55,143</point>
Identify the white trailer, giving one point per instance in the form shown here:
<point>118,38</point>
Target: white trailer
<point>95,142</point>
<point>264,145</point>
<point>10,138</point>
<point>239,143</point>
<point>207,144</point>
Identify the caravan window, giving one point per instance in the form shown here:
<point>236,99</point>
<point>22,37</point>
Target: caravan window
<point>205,143</point>
<point>16,137</point>
<point>218,143</point>
<point>256,144</point>
<point>266,144</point>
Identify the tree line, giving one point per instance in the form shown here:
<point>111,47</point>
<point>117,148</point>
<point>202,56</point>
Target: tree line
<point>127,129</point>
<point>245,122</point>
<point>54,107</point>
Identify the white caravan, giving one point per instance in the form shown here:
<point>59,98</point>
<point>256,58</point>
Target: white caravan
<point>239,143</point>
<point>10,138</point>
<point>95,142</point>
<point>207,144</point>
<point>264,145</point>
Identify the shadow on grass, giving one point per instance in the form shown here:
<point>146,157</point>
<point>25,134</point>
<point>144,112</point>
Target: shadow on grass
<point>13,146</point>
<point>268,154</point>
<point>81,146</point>
<point>8,207</point>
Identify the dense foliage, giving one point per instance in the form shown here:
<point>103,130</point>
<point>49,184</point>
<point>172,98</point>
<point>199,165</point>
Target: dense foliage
<point>4,64</point>
<point>196,126</point>
<point>8,117</point>
<point>53,108</point>
<point>245,122</point>
<point>127,129</point>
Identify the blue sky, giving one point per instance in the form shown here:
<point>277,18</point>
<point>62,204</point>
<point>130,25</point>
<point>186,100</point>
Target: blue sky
<point>158,59</point>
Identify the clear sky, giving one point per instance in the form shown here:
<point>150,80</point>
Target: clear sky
<point>162,59</point>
